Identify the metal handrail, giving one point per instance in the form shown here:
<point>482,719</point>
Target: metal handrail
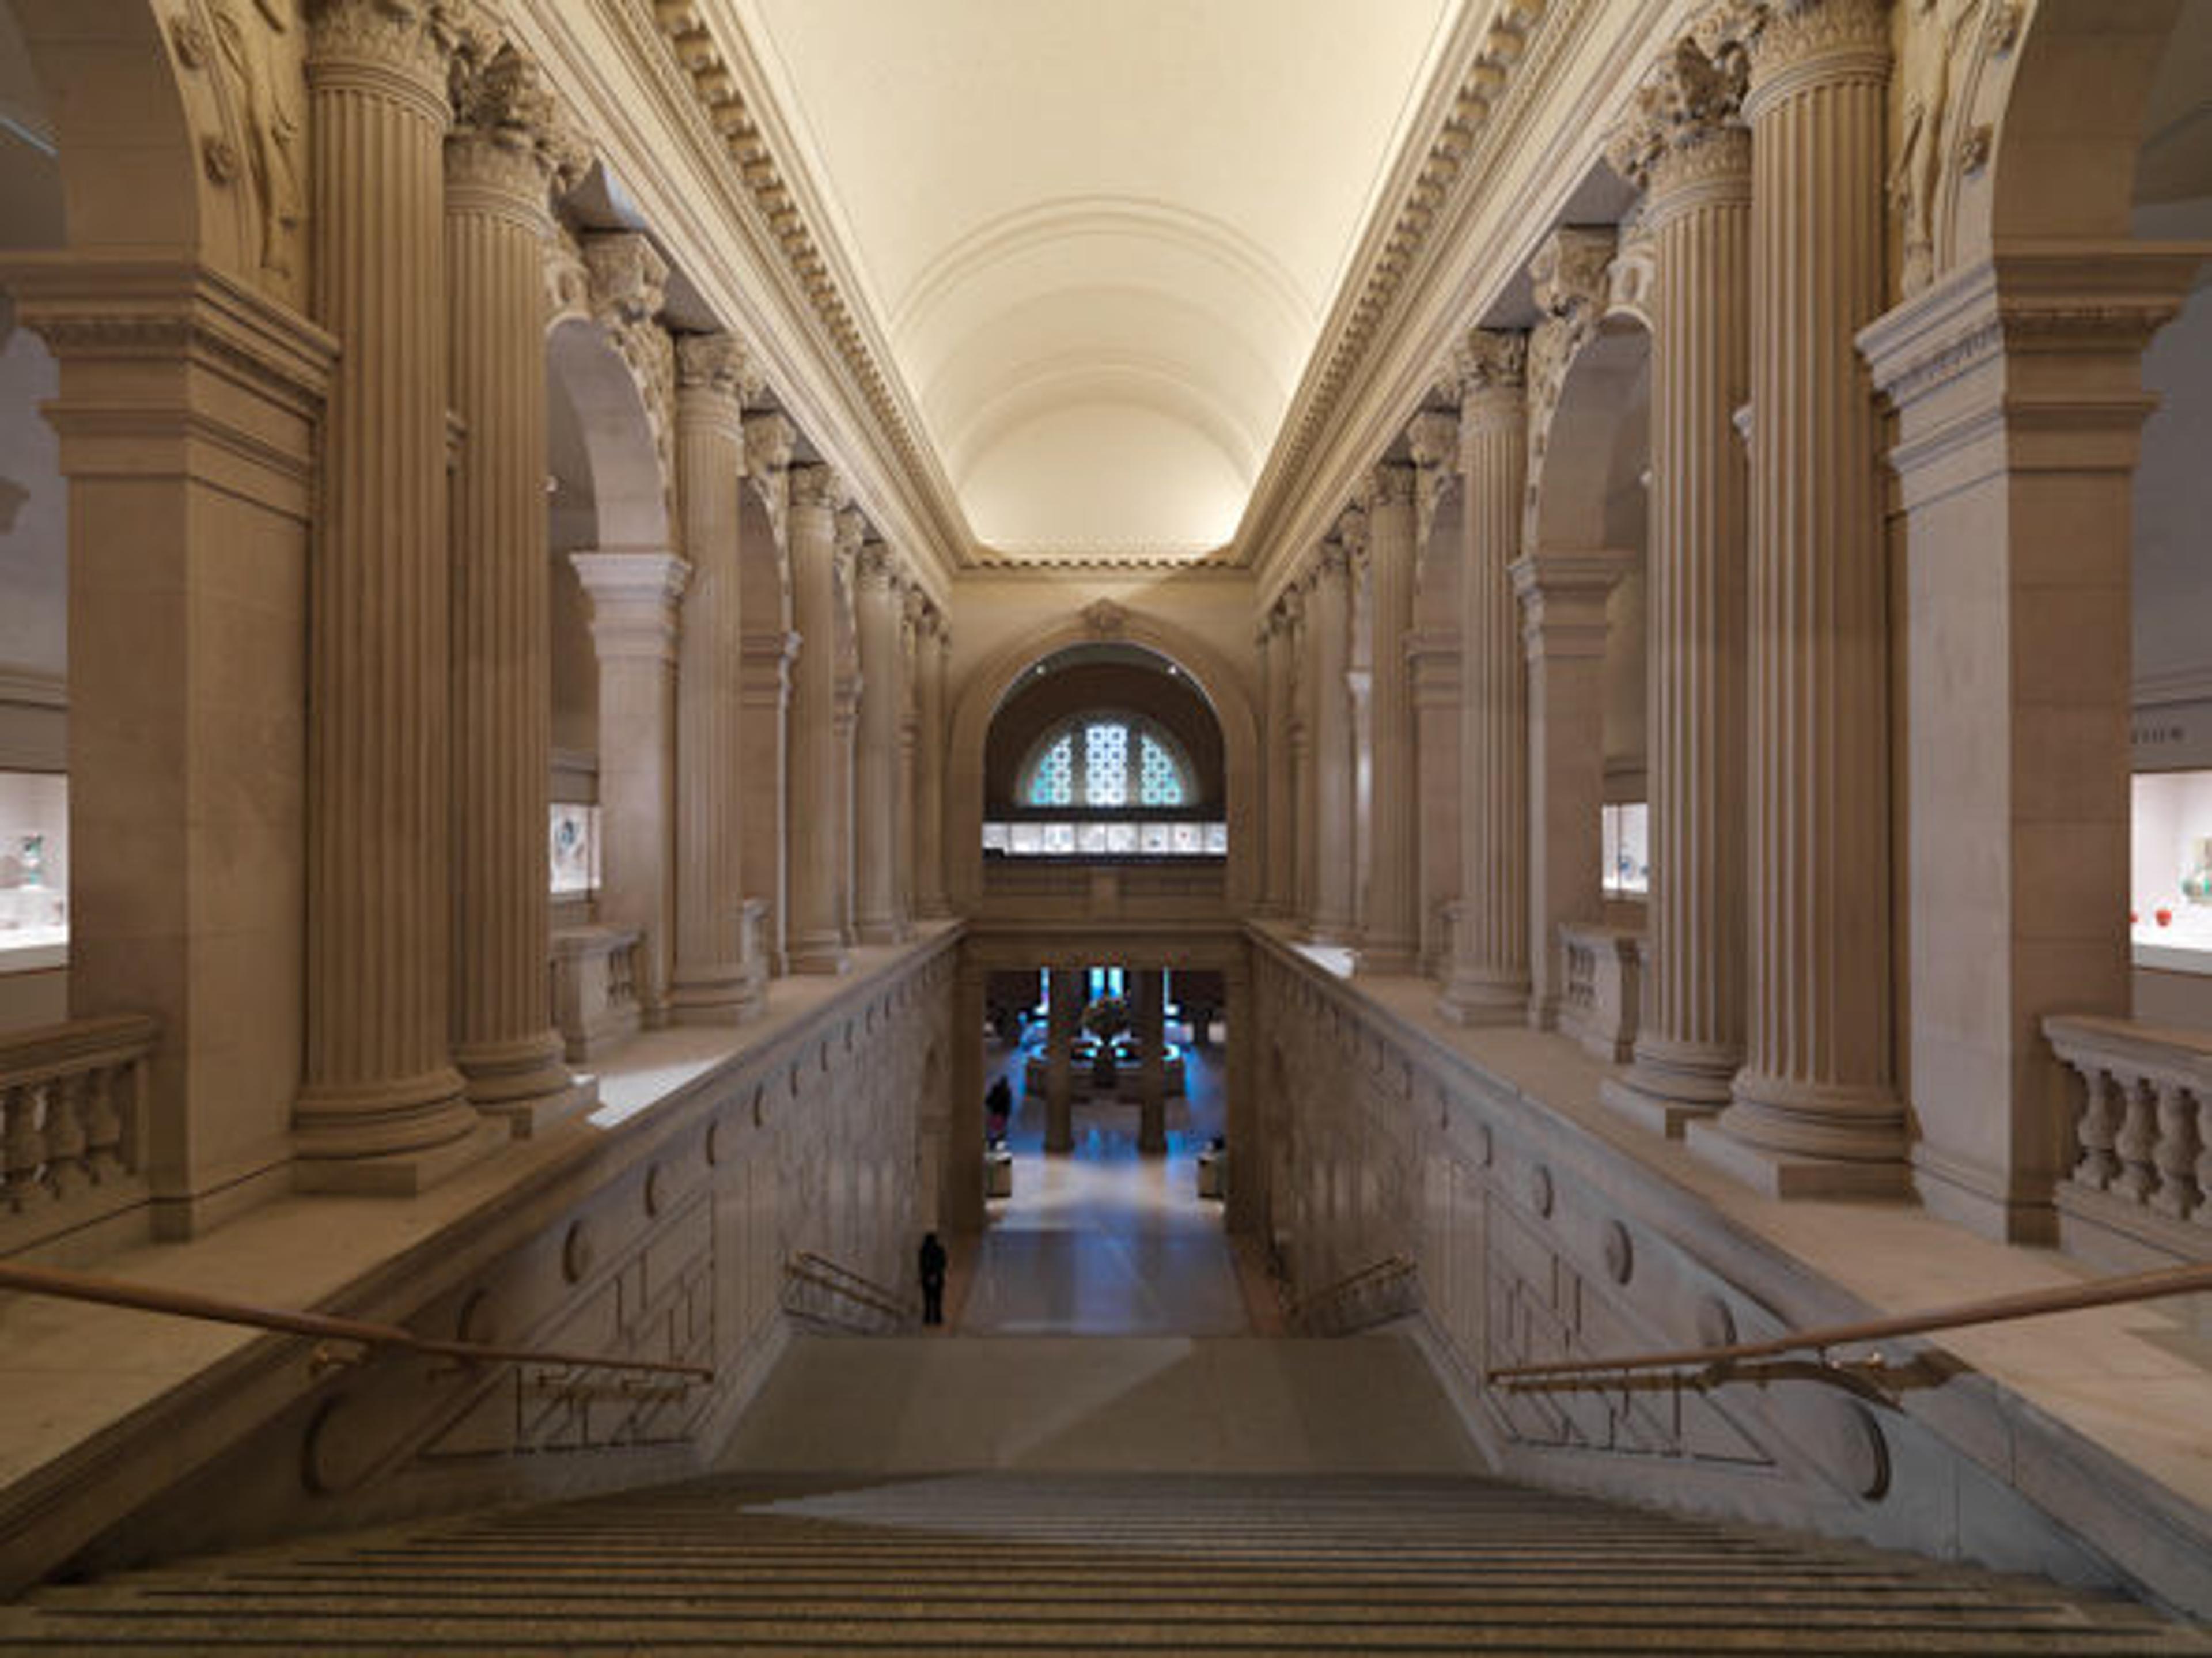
<point>810,1268</point>
<point>185,1303</point>
<point>1394,1265</point>
<point>2032,1303</point>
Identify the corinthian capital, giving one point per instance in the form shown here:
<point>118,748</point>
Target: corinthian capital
<point>1569,274</point>
<point>1782,35</point>
<point>852,532</point>
<point>818,486</point>
<point>629,279</point>
<point>1351,532</point>
<point>1490,362</point>
<point>718,362</point>
<point>415,37</point>
<point>769,443</point>
<point>1687,98</point>
<point>1388,484</point>
<point>1432,436</point>
<point>877,566</point>
<point>508,129</point>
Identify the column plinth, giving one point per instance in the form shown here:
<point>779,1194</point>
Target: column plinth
<point>382,1107</point>
<point>1489,981</point>
<point>1814,1108</point>
<point>719,974</point>
<point>815,934</point>
<point>1688,147</point>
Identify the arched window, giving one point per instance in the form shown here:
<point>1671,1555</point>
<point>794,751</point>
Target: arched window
<point>1113,761</point>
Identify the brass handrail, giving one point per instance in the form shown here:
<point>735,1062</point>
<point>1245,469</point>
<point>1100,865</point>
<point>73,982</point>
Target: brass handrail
<point>185,1303</point>
<point>810,1268</point>
<point>1389,1266</point>
<point>2032,1303</point>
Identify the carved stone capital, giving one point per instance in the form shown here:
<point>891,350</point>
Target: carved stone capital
<point>1390,483</point>
<point>818,486</point>
<point>406,43</point>
<point>1350,533</point>
<point>1489,362</point>
<point>1331,563</point>
<point>507,142</point>
<point>1686,102</point>
<point>1795,44</point>
<point>770,440</point>
<point>852,532</point>
<point>875,566</point>
<point>1569,274</point>
<point>629,279</point>
<point>719,362</point>
<point>1433,437</point>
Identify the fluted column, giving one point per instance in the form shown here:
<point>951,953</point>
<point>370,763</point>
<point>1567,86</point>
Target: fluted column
<point>764,695</point>
<point>1151,1014</point>
<point>816,938</point>
<point>1489,981</point>
<point>715,981</point>
<point>1063,1007</point>
<point>845,721</point>
<point>1298,637</point>
<point>500,164</point>
<point>1814,1107</point>
<point>914,614</point>
<point>1562,597</point>
<point>879,601</point>
<point>1431,654</point>
<point>936,646</point>
<point>1686,144</point>
<point>1391,937</point>
<point>382,1106</point>
<point>635,617</point>
<point>1277,871</point>
<point>1329,622</point>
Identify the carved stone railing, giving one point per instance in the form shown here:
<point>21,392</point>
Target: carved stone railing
<point>1600,1003</point>
<point>2145,1127</point>
<point>72,1121</point>
<point>594,981</point>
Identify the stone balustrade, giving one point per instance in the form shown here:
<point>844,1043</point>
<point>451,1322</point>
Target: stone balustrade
<point>72,1119</point>
<point>2144,1130</point>
<point>595,987</point>
<point>1602,998</point>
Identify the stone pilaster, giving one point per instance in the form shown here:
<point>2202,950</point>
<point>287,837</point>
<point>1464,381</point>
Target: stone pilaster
<point>1329,621</point>
<point>936,648</point>
<point>382,1107</point>
<point>1299,638</point>
<point>1562,597</point>
<point>770,646</point>
<point>636,600</point>
<point>1149,1014</point>
<point>845,723</point>
<point>501,159</point>
<point>1390,938</point>
<point>1489,981</point>
<point>1279,860</point>
<point>1063,1007</point>
<point>879,601</point>
<point>914,615</point>
<point>1686,143</point>
<point>816,938</point>
<point>715,981</point>
<point>1815,1109</point>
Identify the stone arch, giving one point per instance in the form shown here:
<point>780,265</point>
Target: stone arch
<point>628,496</point>
<point>1605,386</point>
<point>985,685</point>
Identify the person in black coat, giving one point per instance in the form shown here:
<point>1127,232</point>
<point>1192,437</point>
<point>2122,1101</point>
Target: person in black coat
<point>932,1280</point>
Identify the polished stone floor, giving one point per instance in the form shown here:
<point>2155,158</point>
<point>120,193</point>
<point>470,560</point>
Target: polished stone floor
<point>1104,1241</point>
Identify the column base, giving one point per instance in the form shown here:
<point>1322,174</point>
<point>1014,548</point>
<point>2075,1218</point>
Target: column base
<point>881,931</point>
<point>1669,1085</point>
<point>525,1083</point>
<point>821,954</point>
<point>725,994</point>
<point>1386,959</point>
<point>1794,1140</point>
<point>399,1174</point>
<point>419,1113</point>
<point>1336,933</point>
<point>1475,998</point>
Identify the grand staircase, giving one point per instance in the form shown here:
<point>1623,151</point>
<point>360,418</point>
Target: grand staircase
<point>1060,1563</point>
<point>1073,1495</point>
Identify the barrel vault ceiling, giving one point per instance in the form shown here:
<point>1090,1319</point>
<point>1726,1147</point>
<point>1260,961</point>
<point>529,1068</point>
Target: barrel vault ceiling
<point>1100,236</point>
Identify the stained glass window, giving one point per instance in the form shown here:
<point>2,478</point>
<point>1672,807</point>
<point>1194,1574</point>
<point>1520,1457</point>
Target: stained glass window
<point>1160,780</point>
<point>1106,766</point>
<point>1053,783</point>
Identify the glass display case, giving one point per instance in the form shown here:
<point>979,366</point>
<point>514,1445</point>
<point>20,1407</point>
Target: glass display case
<point>2170,871</point>
<point>1625,836</point>
<point>33,869</point>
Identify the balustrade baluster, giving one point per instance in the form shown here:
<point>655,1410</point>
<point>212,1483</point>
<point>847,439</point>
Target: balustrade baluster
<point>23,1145</point>
<point>66,1171</point>
<point>2099,1127</point>
<point>103,1124</point>
<point>2135,1142</point>
<point>2175,1153</point>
